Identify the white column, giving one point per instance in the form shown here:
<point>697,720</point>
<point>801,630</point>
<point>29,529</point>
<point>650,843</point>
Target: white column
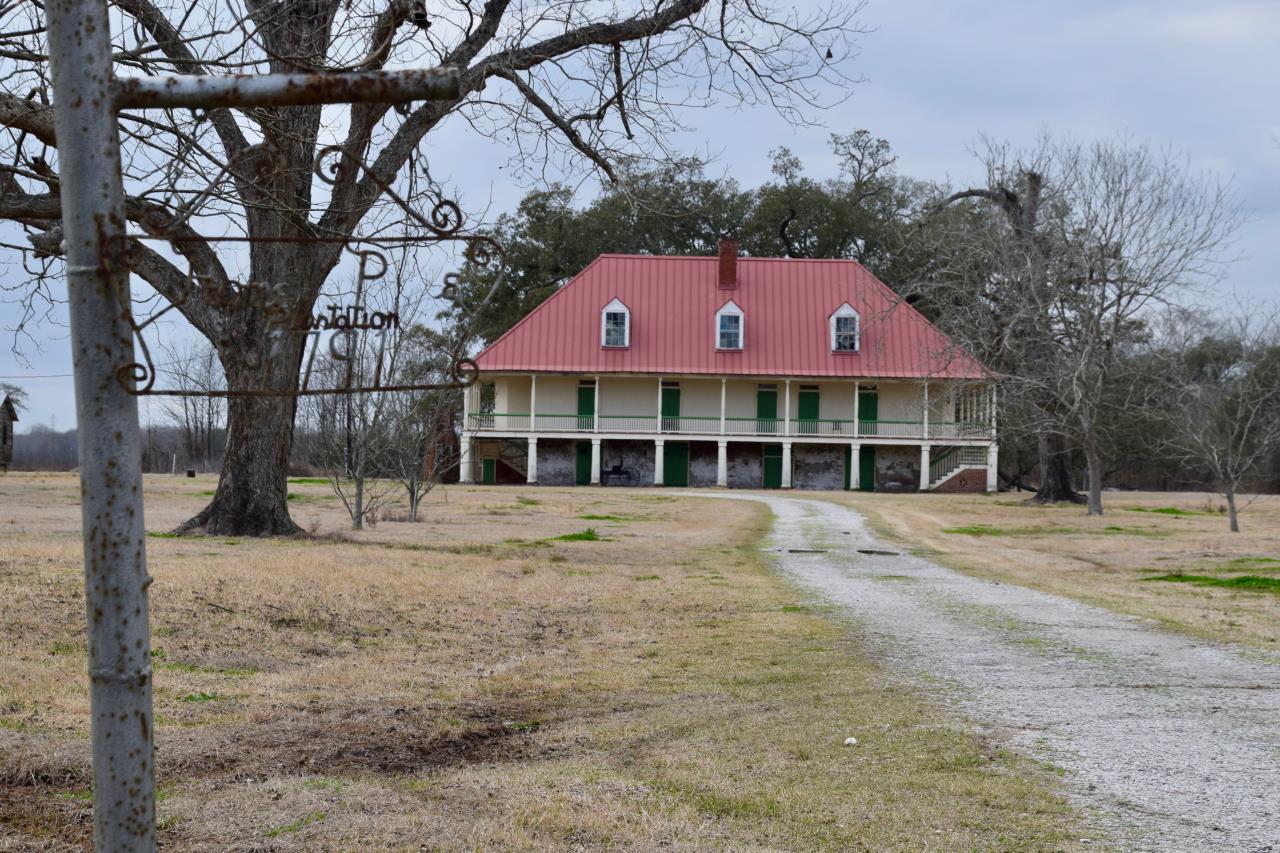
<point>993,461</point>
<point>723,382</point>
<point>855,466</point>
<point>924,467</point>
<point>924,421</point>
<point>722,464</point>
<point>786,464</point>
<point>658,420</point>
<point>857,387</point>
<point>595,416</point>
<point>659,469</point>
<point>466,469</point>
<point>532,465</point>
<point>468,405</point>
<point>786,416</point>
<point>992,416</point>
<point>595,461</point>
<point>533,403</point>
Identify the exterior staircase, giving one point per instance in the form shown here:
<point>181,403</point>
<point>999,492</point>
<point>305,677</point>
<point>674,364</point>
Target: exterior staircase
<point>950,462</point>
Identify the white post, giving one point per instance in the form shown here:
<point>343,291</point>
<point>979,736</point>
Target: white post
<point>659,464</point>
<point>924,467</point>
<point>595,461</point>
<point>992,416</point>
<point>857,389</point>
<point>855,466</point>
<point>466,472</point>
<point>924,422</point>
<point>786,464</point>
<point>532,466</point>
<point>723,382</point>
<point>595,416</point>
<point>533,402</point>
<point>659,418</point>
<point>993,468</point>
<point>722,464</point>
<point>786,414</point>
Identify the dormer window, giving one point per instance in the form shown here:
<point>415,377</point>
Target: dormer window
<point>729,327</point>
<point>846,331</point>
<point>615,326</point>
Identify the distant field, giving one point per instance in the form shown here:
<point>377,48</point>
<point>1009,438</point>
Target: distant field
<point>495,677</point>
<point>1164,555</point>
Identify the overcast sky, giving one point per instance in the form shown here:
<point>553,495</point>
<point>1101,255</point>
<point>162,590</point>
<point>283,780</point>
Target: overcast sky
<point>1194,76</point>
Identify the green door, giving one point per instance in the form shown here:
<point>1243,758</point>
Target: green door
<point>586,406</point>
<point>675,463</point>
<point>808,420</point>
<point>671,409</point>
<point>868,413</point>
<point>867,470</point>
<point>848,466</point>
<point>583,470</point>
<point>767,409</point>
<point>773,466</point>
<point>489,471</point>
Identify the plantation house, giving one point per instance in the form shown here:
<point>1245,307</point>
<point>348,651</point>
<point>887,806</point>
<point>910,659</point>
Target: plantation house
<point>728,371</point>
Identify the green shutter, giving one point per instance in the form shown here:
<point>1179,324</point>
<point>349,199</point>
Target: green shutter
<point>867,470</point>
<point>772,463</point>
<point>808,412</point>
<point>671,408</point>
<point>868,412</point>
<point>586,406</point>
<point>583,471</point>
<point>767,410</point>
<point>675,463</point>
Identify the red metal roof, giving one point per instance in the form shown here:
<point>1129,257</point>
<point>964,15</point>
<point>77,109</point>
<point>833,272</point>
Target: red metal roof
<point>673,301</point>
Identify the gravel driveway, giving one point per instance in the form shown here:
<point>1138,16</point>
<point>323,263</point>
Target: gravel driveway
<point>1172,744</point>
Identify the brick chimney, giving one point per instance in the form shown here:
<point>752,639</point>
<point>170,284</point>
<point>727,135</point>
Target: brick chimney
<point>728,263</point>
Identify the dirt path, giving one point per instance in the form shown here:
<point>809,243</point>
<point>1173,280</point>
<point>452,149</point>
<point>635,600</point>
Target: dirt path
<point>1172,743</point>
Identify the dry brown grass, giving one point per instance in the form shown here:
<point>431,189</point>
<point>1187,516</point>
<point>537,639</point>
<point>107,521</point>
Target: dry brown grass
<point>1105,560</point>
<point>463,683</point>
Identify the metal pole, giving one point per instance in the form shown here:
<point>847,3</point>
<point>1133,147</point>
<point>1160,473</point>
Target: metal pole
<point>107,423</point>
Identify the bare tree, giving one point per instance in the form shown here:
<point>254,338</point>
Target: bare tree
<point>1134,229</point>
<point>195,366</point>
<point>1225,398</point>
<point>567,81</point>
<point>425,424</point>
<point>1089,239</point>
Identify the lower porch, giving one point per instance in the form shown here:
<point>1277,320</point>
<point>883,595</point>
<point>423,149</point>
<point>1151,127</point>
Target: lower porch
<point>631,461</point>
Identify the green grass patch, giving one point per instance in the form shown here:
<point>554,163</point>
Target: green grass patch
<point>590,517</point>
<point>528,502</point>
<point>1164,510</point>
<point>160,534</point>
<point>200,697</point>
<point>308,481</point>
<point>646,577</point>
<point>588,535</point>
<point>1249,583</point>
<point>294,826</point>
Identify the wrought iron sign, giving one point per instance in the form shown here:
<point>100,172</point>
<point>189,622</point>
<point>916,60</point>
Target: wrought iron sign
<point>341,324</point>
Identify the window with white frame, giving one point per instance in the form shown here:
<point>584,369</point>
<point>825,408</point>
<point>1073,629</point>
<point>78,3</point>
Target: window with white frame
<point>846,329</point>
<point>615,325</point>
<point>729,327</point>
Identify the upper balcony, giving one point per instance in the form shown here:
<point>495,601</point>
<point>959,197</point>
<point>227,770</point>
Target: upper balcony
<point>718,427</point>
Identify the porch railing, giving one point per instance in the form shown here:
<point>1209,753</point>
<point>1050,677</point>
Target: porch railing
<point>835,428</point>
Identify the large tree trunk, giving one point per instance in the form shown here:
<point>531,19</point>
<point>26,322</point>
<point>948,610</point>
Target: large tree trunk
<point>253,491</point>
<point>1095,479</point>
<point>1055,472</point>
